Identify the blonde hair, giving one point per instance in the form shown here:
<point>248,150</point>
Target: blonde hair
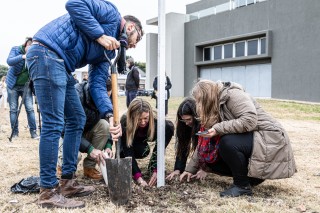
<point>206,94</point>
<point>135,109</point>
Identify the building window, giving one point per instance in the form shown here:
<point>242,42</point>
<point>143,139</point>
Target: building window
<point>240,3</point>
<point>207,54</point>
<point>263,45</point>
<point>253,47</point>
<point>217,52</point>
<point>234,49</point>
<point>228,50</point>
<point>240,49</point>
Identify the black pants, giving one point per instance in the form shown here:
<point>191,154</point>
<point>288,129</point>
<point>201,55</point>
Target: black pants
<point>141,149</point>
<point>235,151</point>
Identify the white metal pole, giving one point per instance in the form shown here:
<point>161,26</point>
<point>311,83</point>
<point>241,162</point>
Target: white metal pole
<point>161,94</point>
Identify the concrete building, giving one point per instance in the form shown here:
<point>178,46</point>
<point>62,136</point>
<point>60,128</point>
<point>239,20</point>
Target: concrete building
<point>271,47</point>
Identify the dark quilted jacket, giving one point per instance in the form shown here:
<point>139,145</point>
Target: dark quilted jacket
<point>90,109</point>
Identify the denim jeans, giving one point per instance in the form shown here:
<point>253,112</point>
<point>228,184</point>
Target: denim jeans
<point>13,98</point>
<point>59,104</point>
<point>97,136</point>
<point>132,94</point>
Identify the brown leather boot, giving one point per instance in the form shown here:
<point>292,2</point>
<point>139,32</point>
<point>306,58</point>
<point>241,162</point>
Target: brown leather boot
<point>92,173</point>
<point>51,198</point>
<point>71,188</point>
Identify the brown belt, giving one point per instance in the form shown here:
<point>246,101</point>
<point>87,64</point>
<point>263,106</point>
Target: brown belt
<point>38,43</point>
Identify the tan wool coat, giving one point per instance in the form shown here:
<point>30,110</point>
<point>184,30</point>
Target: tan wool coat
<point>272,155</point>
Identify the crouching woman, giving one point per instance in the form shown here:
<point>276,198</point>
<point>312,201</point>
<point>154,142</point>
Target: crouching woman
<point>243,141</point>
<point>139,125</point>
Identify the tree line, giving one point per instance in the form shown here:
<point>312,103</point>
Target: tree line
<point>3,70</point>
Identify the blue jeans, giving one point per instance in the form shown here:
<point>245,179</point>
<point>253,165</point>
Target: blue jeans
<point>13,97</point>
<point>59,104</point>
<point>132,94</point>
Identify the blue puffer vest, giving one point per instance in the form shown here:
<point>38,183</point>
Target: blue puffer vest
<point>16,63</point>
<point>73,37</point>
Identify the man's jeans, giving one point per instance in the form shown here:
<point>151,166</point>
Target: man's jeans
<point>97,136</point>
<point>132,94</point>
<point>59,103</point>
<point>13,97</point>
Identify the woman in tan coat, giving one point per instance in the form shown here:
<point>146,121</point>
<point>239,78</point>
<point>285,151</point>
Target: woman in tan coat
<point>242,141</point>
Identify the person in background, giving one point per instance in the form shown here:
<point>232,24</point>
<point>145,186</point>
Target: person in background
<point>16,80</point>
<point>85,77</point>
<point>132,82</point>
<point>139,125</point>
<point>3,93</point>
<point>167,94</point>
<point>83,36</point>
<point>75,78</point>
<point>241,141</point>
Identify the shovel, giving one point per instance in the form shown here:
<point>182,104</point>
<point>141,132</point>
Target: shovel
<point>118,170</point>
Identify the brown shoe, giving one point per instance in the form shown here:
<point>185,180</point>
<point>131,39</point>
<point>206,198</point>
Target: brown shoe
<point>71,188</point>
<point>92,173</point>
<point>51,198</point>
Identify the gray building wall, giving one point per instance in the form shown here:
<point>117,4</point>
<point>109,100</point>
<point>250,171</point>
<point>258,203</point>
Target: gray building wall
<point>174,53</point>
<point>152,59</point>
<point>295,42</point>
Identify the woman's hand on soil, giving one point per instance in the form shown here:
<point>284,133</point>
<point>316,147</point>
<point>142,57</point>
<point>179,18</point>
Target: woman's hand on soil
<point>173,174</point>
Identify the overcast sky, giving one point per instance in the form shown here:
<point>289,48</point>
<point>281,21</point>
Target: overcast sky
<point>21,18</point>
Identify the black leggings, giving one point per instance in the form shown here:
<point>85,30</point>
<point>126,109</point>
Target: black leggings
<point>235,151</point>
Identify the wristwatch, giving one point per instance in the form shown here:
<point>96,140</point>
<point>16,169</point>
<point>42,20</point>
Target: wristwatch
<point>108,116</point>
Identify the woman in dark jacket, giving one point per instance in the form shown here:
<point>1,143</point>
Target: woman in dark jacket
<point>139,126</point>
<point>186,140</point>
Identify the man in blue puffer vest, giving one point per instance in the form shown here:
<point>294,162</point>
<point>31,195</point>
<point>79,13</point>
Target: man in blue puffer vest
<point>16,80</point>
<point>66,43</point>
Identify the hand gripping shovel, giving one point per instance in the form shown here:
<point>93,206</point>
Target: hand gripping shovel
<point>118,170</point>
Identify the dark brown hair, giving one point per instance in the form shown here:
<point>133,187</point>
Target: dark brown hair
<point>26,41</point>
<point>186,140</point>
<point>137,22</point>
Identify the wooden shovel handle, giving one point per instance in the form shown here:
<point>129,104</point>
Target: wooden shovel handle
<point>114,87</point>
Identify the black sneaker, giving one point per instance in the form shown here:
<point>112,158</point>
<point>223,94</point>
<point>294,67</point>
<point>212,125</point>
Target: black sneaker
<point>255,181</point>
<point>34,135</point>
<point>236,191</point>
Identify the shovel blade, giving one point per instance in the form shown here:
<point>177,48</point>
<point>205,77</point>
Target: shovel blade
<point>119,179</point>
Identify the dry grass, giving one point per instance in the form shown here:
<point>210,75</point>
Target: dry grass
<point>301,193</point>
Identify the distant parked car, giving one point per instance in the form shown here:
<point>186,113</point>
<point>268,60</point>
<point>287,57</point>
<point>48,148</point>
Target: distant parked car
<point>144,92</point>
<point>121,92</point>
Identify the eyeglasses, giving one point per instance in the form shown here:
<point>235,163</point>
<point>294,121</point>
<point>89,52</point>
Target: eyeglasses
<point>139,34</point>
<point>186,120</point>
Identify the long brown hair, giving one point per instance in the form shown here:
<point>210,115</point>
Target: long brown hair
<point>206,94</point>
<point>135,109</point>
